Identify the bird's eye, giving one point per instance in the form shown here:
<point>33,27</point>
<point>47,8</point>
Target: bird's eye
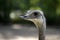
<point>35,13</point>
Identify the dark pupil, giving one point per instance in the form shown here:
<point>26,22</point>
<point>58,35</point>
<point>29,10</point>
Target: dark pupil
<point>35,14</point>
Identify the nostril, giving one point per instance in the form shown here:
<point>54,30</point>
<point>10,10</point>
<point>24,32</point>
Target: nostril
<point>25,16</point>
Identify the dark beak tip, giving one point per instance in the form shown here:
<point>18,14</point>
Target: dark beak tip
<point>23,17</point>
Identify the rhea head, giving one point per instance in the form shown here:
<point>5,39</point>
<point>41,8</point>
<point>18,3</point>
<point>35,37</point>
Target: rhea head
<point>34,16</point>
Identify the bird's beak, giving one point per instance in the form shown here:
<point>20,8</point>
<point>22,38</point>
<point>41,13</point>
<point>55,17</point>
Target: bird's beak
<point>23,17</point>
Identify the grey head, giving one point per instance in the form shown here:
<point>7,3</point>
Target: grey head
<point>32,15</point>
<point>36,16</point>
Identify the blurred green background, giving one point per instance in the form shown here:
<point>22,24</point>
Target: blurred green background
<point>10,10</point>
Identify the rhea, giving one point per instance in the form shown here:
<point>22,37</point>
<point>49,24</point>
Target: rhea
<point>38,18</point>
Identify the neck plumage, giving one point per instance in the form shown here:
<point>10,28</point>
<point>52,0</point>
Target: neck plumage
<point>39,25</point>
<point>37,22</point>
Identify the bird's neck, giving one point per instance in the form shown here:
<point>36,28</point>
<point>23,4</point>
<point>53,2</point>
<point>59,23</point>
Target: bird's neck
<point>37,22</point>
<point>39,25</point>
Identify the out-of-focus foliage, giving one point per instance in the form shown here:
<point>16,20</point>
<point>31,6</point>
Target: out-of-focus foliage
<point>35,8</point>
<point>5,8</point>
<point>20,4</point>
<point>51,8</point>
<point>14,15</point>
<point>58,10</point>
<point>34,5</point>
